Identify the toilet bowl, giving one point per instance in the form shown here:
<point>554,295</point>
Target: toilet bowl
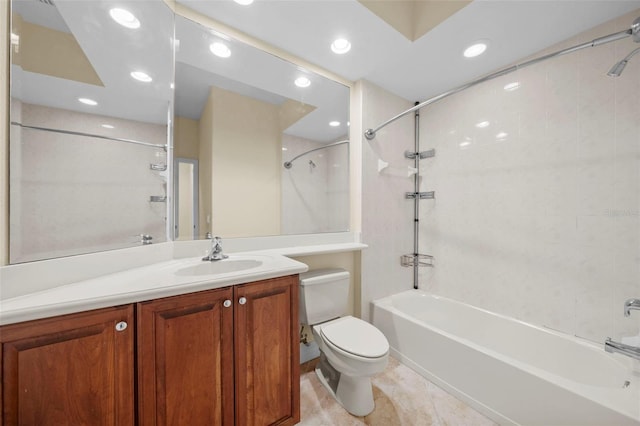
<point>351,350</point>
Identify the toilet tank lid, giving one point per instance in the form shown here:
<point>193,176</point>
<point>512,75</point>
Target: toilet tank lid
<point>321,276</point>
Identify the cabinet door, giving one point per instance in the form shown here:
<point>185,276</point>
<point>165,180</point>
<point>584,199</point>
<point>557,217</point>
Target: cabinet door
<point>74,369</point>
<point>185,360</point>
<point>267,352</point>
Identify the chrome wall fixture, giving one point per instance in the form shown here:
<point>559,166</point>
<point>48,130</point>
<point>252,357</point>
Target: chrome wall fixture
<point>415,259</point>
<point>633,31</point>
<point>90,135</point>
<point>288,164</point>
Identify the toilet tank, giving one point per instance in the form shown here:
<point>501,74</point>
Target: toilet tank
<point>324,295</point>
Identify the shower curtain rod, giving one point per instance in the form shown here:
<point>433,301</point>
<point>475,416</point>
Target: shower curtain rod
<point>634,30</point>
<point>91,135</point>
<point>287,164</point>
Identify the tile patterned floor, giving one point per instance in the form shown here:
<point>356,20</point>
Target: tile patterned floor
<point>402,397</point>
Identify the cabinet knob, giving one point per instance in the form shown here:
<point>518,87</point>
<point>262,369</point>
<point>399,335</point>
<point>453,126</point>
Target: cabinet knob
<point>242,300</point>
<point>121,326</point>
<point>226,303</point>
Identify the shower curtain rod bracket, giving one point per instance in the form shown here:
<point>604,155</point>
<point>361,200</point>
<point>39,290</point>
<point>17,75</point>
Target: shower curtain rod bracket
<point>420,195</point>
<point>421,155</point>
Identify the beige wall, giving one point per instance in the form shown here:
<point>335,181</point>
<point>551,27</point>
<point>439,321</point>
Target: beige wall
<point>245,156</point>
<point>51,52</point>
<point>186,138</point>
<point>4,134</point>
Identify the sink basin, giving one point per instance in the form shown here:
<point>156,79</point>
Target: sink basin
<point>219,267</point>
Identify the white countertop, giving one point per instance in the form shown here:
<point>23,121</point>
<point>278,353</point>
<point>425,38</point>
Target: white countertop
<point>162,279</point>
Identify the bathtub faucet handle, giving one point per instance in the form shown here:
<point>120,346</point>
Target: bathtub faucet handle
<point>630,304</point>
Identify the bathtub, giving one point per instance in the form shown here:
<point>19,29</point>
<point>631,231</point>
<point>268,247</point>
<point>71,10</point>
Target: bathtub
<point>511,371</point>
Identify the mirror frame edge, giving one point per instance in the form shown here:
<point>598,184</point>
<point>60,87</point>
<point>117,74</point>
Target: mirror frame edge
<point>5,49</point>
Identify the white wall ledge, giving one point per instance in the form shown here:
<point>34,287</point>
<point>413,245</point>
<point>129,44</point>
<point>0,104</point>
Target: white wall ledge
<point>27,278</point>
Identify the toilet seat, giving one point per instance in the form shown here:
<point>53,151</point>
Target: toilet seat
<point>355,337</point>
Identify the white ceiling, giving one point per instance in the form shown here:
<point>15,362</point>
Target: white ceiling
<point>413,70</point>
<point>433,63</point>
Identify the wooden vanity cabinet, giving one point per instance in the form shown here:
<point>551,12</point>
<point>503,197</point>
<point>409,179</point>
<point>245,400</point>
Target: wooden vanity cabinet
<point>225,357</point>
<point>267,354</point>
<point>72,369</point>
<point>185,360</point>
<point>221,357</point>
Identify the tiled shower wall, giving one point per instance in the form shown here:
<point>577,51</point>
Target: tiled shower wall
<point>537,215</point>
<point>387,217</point>
<point>314,199</point>
<point>73,194</point>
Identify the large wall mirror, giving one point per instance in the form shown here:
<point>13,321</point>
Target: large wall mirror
<point>242,113</point>
<point>134,132</point>
<point>91,96</point>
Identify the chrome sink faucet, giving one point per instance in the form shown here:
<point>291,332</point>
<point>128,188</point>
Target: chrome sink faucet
<point>630,304</point>
<point>216,250</point>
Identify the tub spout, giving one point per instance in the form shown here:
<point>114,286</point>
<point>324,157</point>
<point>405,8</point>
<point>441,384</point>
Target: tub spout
<point>630,304</point>
<point>628,350</point>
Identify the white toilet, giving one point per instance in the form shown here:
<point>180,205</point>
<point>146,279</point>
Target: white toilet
<point>351,350</point>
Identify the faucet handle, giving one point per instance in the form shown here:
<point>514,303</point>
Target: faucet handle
<point>630,304</point>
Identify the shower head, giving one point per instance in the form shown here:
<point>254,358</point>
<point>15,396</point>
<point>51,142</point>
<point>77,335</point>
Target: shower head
<point>617,69</point>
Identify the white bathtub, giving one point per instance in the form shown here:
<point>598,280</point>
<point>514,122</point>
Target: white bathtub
<point>511,371</point>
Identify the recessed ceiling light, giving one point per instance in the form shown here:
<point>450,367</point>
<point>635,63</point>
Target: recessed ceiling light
<point>512,86</point>
<point>465,143</point>
<point>124,18</point>
<point>244,2</point>
<point>334,123</point>
<point>87,101</point>
<point>302,82</point>
<point>482,124</point>
<point>502,135</point>
<point>340,46</point>
<point>284,149</point>
<point>141,76</point>
<point>220,49</point>
<point>475,49</point>
<point>108,126</point>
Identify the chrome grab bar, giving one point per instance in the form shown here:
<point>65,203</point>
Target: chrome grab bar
<point>628,350</point>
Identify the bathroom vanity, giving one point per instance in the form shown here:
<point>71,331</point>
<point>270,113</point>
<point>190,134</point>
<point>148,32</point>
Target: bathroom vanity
<point>208,353</point>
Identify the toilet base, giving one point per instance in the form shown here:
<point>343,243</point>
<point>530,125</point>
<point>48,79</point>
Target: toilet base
<point>353,393</point>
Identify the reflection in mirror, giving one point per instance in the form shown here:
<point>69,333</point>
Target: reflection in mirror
<point>241,114</point>
<point>185,186</point>
<point>90,99</point>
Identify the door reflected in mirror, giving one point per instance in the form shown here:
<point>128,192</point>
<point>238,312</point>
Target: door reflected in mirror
<point>185,185</point>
